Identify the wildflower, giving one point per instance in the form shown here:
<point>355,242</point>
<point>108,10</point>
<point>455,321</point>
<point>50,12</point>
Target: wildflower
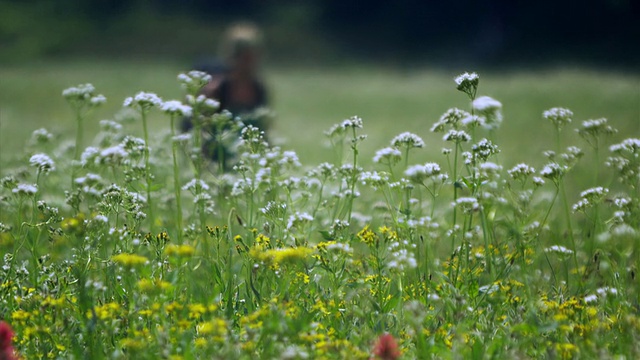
<point>629,145</point>
<point>6,338</point>
<point>143,100</point>
<point>538,181</point>
<point>490,109</point>
<point>452,117</point>
<point>110,126</point>
<point>298,219</point>
<point>407,140</point>
<point>386,348</point>
<point>387,155</point>
<point>183,250</point>
<point>590,298</point>
<point>194,80</point>
<point>176,108</point>
<point>521,171</point>
<point>25,189</point>
<point>468,83</point>
<point>280,256</point>
<point>467,204</point>
<point>559,249</point>
<point>552,171</point>
<point>455,135</point>
<point>181,138</point>
<point>374,178</point>
<point>80,92</point>
<point>205,103</point>
<point>471,121</point>
<point>558,116</point>
<point>196,186</point>
<point>43,162</point>
<point>594,128</point>
<point>98,100</point>
<point>419,173</point>
<point>129,260</point>
<point>401,258</point>
<point>483,149</point>
<point>41,135</point>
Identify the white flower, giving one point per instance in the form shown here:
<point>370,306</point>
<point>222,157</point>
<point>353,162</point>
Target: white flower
<point>41,135</point>
<point>80,92</point>
<point>43,162</point>
<point>491,109</point>
<point>298,219</point>
<point>419,173</point>
<point>590,298</point>
<point>454,135</point>
<point>388,154</point>
<point>467,78</point>
<point>144,100</point>
<point>195,186</point>
<point>98,100</point>
<point>558,116</point>
<point>408,140</point>
<point>552,171</point>
<point>110,125</point>
<point>181,138</point>
<point>175,107</point>
<point>25,189</point>
<point>520,171</point>
<point>559,249</point>
<point>451,117</point>
<point>629,145</point>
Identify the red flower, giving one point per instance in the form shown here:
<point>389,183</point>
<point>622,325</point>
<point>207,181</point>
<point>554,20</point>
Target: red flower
<point>386,348</point>
<point>6,336</point>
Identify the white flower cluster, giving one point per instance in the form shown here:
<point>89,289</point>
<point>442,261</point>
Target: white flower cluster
<point>420,173</point>
<point>407,140</point>
<point>457,136</point>
<point>468,83</point>
<point>491,109</point>
<point>25,189</point>
<point>144,100</point>
<point>401,258</point>
<point>553,171</point>
<point>43,162</point>
<point>374,178</point>
<point>521,171</point>
<point>558,116</point>
<point>590,197</point>
<point>452,117</point>
<point>353,122</point>
<point>196,186</point>
<point>176,108</point>
<point>194,80</point>
<point>600,292</point>
<point>110,126</point>
<point>594,128</point>
<point>83,94</point>
<point>388,155</point>
<point>467,204</point>
<point>630,145</point>
<point>41,135</point>
<point>298,219</point>
<point>559,249</point>
<point>203,102</point>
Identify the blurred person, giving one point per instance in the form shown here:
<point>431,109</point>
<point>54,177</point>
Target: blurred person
<point>235,82</point>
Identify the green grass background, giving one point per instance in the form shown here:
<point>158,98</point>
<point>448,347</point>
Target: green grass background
<point>309,100</point>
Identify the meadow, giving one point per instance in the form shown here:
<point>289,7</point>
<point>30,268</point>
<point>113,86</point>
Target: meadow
<point>392,214</point>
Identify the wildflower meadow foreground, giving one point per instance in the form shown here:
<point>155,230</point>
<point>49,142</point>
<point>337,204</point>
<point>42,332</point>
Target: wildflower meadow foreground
<point>118,246</point>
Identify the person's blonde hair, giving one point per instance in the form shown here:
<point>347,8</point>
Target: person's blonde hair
<point>240,37</point>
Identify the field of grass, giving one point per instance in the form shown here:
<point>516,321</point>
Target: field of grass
<point>121,242</point>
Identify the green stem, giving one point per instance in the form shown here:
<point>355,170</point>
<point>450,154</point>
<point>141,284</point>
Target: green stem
<point>147,168</point>
<point>176,182</point>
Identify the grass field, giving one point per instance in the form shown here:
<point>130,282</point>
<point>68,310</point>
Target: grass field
<point>125,248</point>
<point>308,101</point>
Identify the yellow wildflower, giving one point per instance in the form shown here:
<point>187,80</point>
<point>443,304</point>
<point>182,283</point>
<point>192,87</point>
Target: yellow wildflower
<point>129,260</point>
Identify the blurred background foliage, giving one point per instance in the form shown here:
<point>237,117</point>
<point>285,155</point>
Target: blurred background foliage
<point>459,32</point>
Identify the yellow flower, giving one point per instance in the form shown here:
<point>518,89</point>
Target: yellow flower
<point>279,256</point>
<point>367,236</point>
<point>129,260</point>
<point>183,250</point>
